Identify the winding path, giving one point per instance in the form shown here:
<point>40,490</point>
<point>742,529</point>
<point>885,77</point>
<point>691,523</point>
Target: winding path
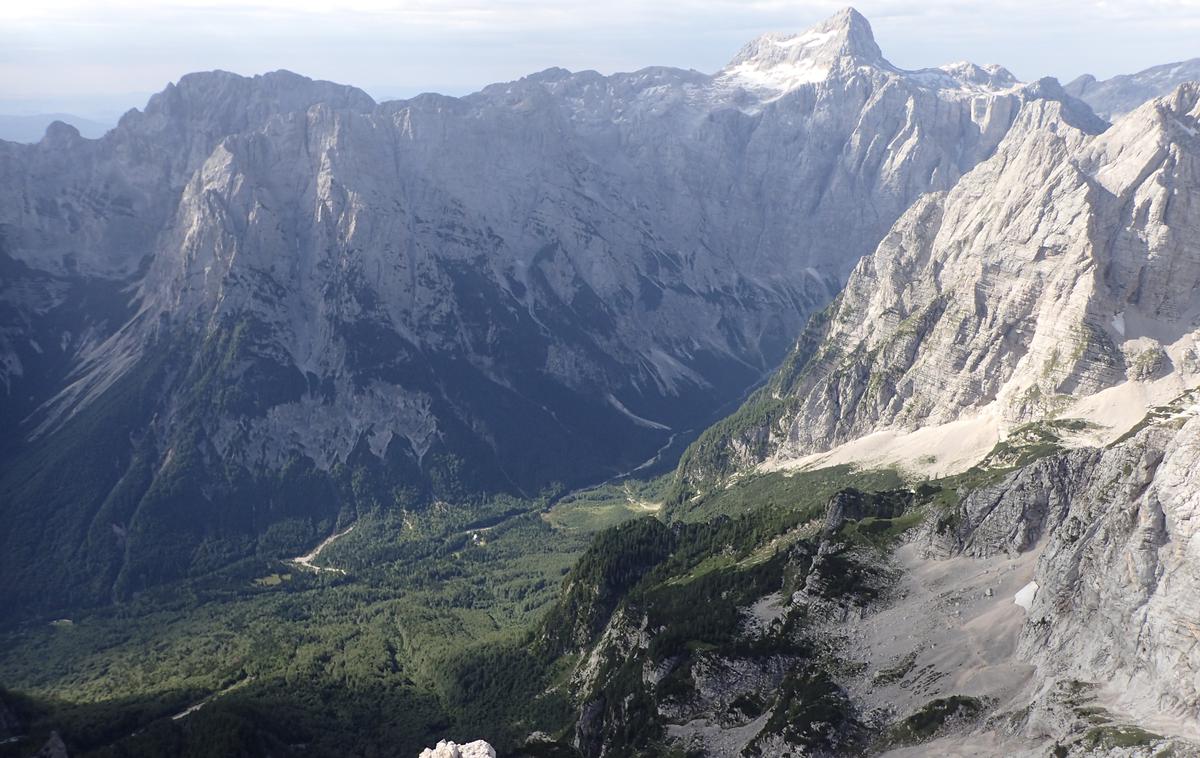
<point>306,560</point>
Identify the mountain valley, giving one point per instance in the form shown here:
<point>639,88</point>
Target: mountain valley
<point>337,427</point>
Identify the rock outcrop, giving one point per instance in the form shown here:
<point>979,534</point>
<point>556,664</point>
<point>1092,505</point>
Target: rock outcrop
<point>450,749</point>
<point>1119,581</point>
<point>54,748</point>
<point>1043,611</point>
<point>1111,600</point>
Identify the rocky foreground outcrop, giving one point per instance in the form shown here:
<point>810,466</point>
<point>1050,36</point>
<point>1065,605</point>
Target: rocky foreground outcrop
<point>54,748</point>
<point>451,749</point>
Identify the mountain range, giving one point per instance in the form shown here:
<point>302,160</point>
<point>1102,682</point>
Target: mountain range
<point>1117,96</point>
<point>1057,281</point>
<point>954,315</point>
<point>258,282</point>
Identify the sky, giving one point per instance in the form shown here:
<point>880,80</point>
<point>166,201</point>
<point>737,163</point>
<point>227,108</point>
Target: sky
<point>97,58</point>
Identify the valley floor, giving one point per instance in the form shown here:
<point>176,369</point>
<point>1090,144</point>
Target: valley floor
<point>372,627</point>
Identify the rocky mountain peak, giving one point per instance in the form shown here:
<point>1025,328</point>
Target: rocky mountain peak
<point>844,45</point>
<point>222,102</point>
<point>845,34</point>
<point>60,134</point>
<point>1178,107</point>
<point>1141,141</point>
<point>785,60</point>
<point>1183,103</point>
<point>1085,312</point>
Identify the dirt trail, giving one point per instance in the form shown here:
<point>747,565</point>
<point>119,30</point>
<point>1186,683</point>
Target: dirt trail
<point>193,708</point>
<point>306,561</point>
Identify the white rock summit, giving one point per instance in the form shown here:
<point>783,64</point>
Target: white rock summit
<point>844,46</point>
<point>450,749</point>
<point>781,62</point>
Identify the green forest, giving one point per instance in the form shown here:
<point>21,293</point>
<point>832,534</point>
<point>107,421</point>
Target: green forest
<point>380,655</point>
<point>417,625</point>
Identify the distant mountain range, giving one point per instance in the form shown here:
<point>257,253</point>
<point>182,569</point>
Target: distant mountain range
<point>32,128</point>
<point>1114,97</point>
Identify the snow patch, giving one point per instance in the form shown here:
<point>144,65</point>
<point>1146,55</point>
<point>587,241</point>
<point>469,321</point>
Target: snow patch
<point>778,79</point>
<point>1118,323</point>
<point>811,38</point>
<point>1025,596</point>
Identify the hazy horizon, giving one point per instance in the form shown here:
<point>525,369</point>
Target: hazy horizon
<point>98,60</point>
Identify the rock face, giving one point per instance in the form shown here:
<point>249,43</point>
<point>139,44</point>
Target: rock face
<point>1047,611</point>
<point>1112,598</point>
<point>253,289</point>
<point>54,748</point>
<point>1012,518</point>
<point>1063,266</point>
<point>736,678</point>
<point>449,749</point>
<point>1123,557</point>
<point>1112,98</point>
